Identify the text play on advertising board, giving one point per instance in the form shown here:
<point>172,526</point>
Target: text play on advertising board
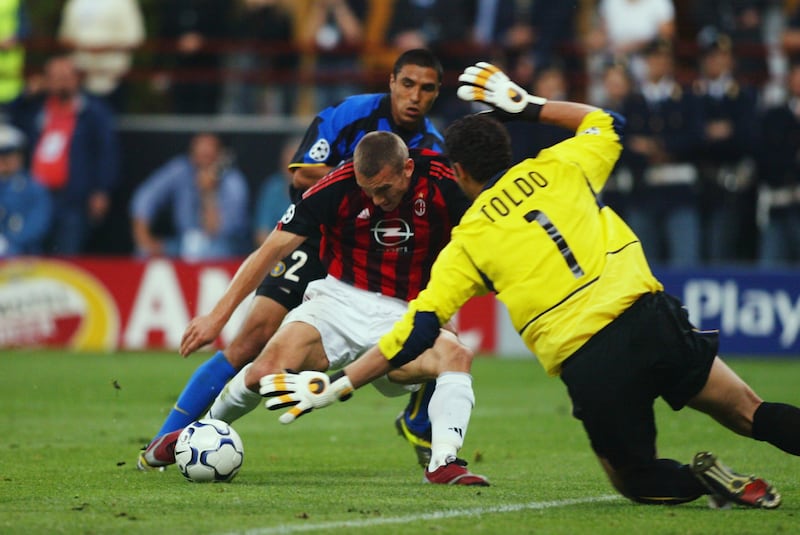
<point>115,303</point>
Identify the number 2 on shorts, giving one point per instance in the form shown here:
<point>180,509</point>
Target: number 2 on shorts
<point>300,258</point>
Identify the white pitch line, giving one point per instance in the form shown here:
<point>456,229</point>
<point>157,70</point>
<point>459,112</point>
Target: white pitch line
<point>436,515</point>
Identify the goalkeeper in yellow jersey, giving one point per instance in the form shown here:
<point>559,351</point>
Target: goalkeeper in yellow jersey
<point>581,295</point>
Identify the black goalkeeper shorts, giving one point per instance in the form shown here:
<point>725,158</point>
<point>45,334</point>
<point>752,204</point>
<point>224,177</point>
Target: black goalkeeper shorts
<point>287,282</point>
<point>650,351</point>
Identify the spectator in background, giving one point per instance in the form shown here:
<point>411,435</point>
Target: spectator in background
<point>501,32</point>
<point>429,24</point>
<point>102,36</point>
<point>662,136</point>
<point>529,138</point>
<point>208,201</point>
<point>73,151</point>
<point>524,36</point>
<point>617,89</point>
<point>191,67</point>
<point>621,31</point>
<point>742,22</point>
<point>494,24</point>
<point>263,67</point>
<point>783,43</point>
<point>553,26</point>
<point>779,176</point>
<point>618,84</point>
<point>273,196</point>
<point>25,207</point>
<point>14,28</point>
<point>724,159</point>
<point>333,31</point>
<point>790,36</point>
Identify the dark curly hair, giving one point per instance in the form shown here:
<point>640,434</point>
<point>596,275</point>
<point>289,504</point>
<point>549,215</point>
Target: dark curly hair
<point>481,145</point>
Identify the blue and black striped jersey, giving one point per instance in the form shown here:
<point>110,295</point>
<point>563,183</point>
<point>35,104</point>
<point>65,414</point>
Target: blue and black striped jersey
<point>333,135</point>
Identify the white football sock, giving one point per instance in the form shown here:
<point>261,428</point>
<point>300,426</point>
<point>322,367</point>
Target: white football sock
<point>449,410</point>
<point>235,400</point>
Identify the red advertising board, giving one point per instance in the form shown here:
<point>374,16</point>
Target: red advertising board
<point>120,303</point>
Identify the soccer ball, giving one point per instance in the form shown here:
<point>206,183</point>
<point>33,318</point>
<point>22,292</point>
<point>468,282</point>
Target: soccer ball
<point>209,450</point>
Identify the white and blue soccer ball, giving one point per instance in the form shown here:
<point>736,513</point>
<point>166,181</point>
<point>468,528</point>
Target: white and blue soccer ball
<point>209,450</point>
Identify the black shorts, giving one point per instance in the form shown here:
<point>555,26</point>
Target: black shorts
<point>650,350</point>
<point>287,282</point>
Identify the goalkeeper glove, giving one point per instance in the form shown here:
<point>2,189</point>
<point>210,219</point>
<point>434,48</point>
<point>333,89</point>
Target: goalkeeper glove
<point>484,82</point>
<point>303,392</point>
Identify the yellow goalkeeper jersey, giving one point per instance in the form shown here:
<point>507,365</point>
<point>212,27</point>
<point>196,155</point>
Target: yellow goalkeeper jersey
<point>562,263</point>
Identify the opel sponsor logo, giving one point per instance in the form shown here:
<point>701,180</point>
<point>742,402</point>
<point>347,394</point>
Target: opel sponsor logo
<point>392,232</point>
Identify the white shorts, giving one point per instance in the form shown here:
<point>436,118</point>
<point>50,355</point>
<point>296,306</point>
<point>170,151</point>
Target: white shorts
<point>349,321</point>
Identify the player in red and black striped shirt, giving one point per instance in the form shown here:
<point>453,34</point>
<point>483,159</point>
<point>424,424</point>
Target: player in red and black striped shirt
<point>382,220</point>
<point>387,248</point>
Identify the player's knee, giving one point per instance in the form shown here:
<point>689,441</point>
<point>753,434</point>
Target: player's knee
<point>660,482</point>
<point>246,346</point>
<point>614,477</point>
<point>252,377</point>
<point>265,364</point>
<point>240,353</point>
<point>453,356</point>
<point>259,327</point>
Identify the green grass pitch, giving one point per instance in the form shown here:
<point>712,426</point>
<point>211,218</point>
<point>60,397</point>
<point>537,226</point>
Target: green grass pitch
<point>72,425</point>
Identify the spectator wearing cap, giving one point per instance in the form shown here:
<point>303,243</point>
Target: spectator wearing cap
<point>662,135</point>
<point>725,159</point>
<point>25,206</point>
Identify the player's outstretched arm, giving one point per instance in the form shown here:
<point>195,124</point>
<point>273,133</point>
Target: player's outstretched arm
<point>483,82</point>
<point>306,176</point>
<point>204,329</point>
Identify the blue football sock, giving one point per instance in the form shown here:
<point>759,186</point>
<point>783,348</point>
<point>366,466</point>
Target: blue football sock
<point>416,412</point>
<point>207,381</point>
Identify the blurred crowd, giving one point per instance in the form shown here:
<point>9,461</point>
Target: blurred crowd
<point>710,173</point>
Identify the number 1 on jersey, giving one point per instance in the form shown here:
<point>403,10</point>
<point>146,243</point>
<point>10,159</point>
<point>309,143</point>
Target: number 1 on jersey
<point>548,226</point>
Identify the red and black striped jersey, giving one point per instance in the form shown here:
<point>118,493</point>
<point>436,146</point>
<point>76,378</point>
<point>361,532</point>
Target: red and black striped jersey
<point>386,252</point>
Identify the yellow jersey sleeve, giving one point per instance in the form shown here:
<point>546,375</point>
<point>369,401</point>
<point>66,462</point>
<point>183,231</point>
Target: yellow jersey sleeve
<point>595,148</point>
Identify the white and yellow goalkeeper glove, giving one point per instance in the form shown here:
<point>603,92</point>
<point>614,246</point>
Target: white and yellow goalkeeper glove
<point>483,82</point>
<point>303,392</point>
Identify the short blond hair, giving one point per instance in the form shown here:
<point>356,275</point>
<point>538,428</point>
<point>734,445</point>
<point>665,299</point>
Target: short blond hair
<point>376,150</point>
